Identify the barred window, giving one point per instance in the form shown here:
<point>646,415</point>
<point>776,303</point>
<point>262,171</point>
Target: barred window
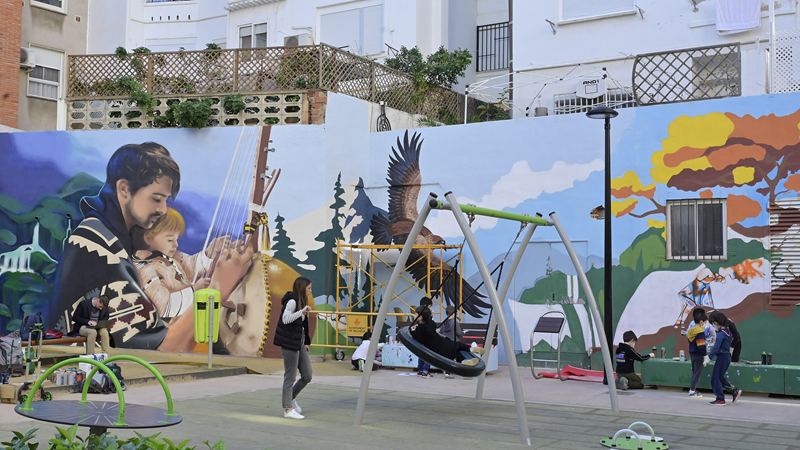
<point>493,47</point>
<point>697,229</point>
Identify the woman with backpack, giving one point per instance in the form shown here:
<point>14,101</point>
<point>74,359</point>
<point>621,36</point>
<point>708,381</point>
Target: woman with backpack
<point>292,337</point>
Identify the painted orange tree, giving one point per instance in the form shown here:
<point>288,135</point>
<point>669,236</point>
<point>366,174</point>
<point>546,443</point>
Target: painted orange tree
<point>722,150</point>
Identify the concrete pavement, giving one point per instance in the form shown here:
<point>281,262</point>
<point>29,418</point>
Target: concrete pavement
<point>407,411</point>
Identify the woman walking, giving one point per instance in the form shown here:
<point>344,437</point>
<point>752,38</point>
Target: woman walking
<point>292,337</point>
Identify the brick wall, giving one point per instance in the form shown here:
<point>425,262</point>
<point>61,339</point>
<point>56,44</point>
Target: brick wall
<point>10,43</point>
<point>317,103</point>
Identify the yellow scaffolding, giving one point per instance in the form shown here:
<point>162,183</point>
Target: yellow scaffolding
<point>349,260</point>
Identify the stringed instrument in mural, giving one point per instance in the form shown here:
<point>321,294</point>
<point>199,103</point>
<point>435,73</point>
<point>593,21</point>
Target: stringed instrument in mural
<point>250,313</point>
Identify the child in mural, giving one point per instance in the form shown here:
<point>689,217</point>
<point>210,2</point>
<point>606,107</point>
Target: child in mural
<point>697,349</point>
<point>626,355</point>
<point>167,273</point>
<point>425,333</point>
<point>423,368</point>
<point>722,353</point>
<point>697,293</point>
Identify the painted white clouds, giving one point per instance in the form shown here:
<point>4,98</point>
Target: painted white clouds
<point>513,188</point>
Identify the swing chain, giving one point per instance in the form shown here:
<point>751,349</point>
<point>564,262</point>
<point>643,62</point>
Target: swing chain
<point>471,216</point>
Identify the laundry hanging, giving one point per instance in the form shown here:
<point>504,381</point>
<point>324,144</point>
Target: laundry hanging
<point>737,16</point>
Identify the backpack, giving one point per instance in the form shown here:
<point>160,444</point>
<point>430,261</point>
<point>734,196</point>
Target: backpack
<point>101,383</point>
<point>32,327</point>
<point>10,355</point>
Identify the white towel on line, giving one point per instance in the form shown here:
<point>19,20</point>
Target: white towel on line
<point>736,16</point>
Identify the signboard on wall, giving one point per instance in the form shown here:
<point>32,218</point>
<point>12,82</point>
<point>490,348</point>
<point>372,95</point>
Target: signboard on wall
<point>357,324</point>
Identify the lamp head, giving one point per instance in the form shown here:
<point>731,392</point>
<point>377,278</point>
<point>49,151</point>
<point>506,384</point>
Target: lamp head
<point>602,112</point>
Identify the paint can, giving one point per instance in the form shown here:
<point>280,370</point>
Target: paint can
<point>71,377</point>
<point>769,359</point>
<point>763,358</point>
<point>59,378</point>
<point>79,376</point>
<point>655,352</point>
<point>683,356</point>
<point>663,352</point>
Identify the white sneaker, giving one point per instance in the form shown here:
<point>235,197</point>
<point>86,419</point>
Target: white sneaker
<point>297,407</point>
<point>293,414</point>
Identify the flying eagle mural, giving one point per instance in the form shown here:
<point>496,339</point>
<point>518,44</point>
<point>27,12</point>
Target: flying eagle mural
<point>405,182</point>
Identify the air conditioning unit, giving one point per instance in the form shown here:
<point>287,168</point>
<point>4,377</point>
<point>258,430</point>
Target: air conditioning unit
<point>27,58</point>
<point>300,39</point>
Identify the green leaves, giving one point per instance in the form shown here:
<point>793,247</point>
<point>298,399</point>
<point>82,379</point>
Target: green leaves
<point>192,113</point>
<point>69,440</point>
<point>441,68</point>
<point>233,104</point>
<point>20,441</point>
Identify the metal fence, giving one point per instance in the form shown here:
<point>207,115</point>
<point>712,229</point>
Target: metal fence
<point>262,70</point>
<point>692,74</point>
<point>616,98</point>
<point>492,47</point>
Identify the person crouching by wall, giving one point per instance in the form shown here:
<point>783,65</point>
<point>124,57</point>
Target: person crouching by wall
<point>360,355</point>
<point>626,355</point>
<point>292,337</point>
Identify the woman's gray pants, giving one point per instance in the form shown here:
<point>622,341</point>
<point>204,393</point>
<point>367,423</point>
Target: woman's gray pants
<point>293,360</point>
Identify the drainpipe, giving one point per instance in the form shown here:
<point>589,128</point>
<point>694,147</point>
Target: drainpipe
<point>511,55</point>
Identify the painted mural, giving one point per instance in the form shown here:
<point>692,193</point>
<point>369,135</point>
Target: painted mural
<point>247,210</point>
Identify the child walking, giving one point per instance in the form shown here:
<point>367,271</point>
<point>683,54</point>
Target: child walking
<point>697,349</point>
<point>626,355</point>
<point>721,351</point>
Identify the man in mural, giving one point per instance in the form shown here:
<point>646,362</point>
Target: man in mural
<point>97,259</point>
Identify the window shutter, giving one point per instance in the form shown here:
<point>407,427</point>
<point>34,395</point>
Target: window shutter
<point>373,29</point>
<point>579,9</point>
<point>341,28</point>
<point>785,252</point>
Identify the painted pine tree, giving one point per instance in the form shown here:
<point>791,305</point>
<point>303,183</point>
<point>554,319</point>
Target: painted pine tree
<point>283,245</point>
<point>323,277</point>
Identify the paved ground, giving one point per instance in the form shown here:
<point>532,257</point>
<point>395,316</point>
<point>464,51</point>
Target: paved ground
<point>409,412</point>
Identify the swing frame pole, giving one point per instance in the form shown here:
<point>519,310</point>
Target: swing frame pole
<point>609,369</point>
<point>501,296</point>
<point>399,268</point>
<point>477,255</point>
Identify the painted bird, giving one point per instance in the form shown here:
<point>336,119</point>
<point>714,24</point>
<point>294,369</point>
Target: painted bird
<point>405,182</point>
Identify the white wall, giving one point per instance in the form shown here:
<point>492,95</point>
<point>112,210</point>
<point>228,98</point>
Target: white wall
<point>613,42</point>
<point>106,26</point>
<point>161,26</point>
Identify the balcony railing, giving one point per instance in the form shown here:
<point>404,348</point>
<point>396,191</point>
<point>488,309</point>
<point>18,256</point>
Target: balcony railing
<point>686,75</point>
<point>261,70</point>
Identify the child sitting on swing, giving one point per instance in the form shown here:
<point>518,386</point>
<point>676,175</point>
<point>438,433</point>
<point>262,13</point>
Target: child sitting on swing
<point>425,333</point>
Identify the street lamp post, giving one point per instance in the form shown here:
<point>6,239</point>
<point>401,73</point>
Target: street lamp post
<point>606,113</point>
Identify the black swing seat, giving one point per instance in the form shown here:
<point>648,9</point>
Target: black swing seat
<point>437,360</point>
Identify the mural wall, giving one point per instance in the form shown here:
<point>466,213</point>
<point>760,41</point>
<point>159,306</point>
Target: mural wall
<point>70,229</point>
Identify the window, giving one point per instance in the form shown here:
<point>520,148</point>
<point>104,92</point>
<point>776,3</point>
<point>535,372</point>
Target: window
<point>253,36</point>
<point>577,10</point>
<point>53,5</point>
<point>357,30</point>
<point>493,47</point>
<point>44,80</point>
<point>696,229</point>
